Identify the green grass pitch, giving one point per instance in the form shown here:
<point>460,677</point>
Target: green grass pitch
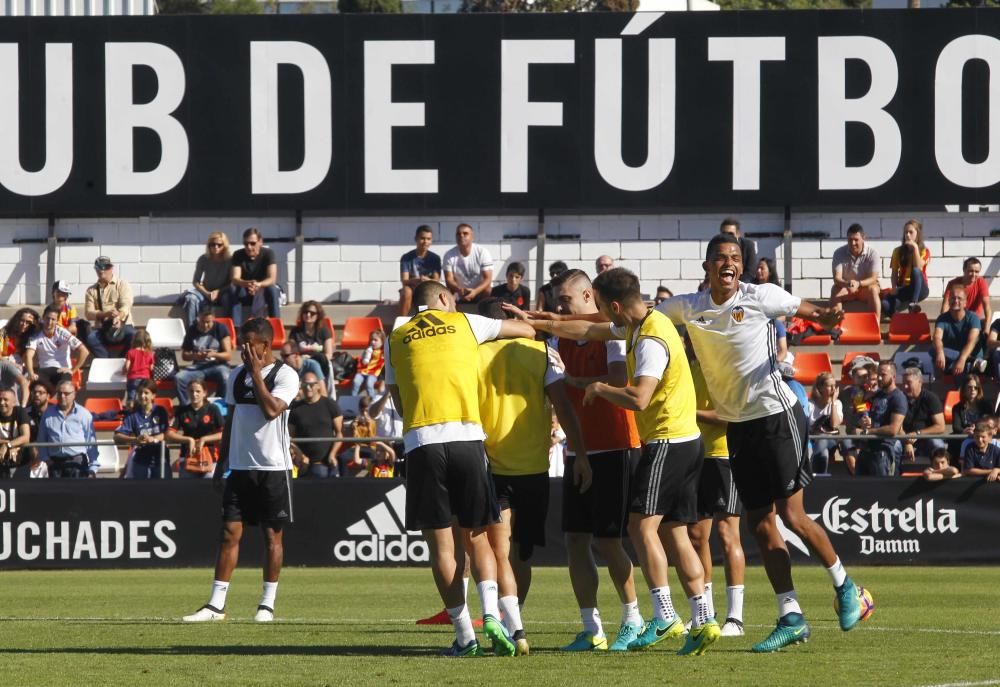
<point>931,626</point>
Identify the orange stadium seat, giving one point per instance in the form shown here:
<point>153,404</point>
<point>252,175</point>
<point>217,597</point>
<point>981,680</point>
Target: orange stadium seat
<point>166,404</point>
<point>950,399</point>
<point>807,365</point>
<point>860,328</point>
<point>845,365</point>
<point>909,328</point>
<point>228,323</point>
<point>357,329</point>
<point>279,333</point>
<point>103,405</point>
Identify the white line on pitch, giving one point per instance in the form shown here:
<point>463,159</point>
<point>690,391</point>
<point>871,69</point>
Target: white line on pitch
<point>983,683</point>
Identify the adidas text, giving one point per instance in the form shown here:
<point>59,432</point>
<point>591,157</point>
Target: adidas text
<point>418,334</point>
<point>379,548</point>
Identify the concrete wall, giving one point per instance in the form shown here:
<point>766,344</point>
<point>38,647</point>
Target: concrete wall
<point>157,255</point>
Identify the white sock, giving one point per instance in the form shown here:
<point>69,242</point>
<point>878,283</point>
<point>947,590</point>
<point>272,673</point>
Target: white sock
<point>267,597</point>
<point>663,605</point>
<point>591,618</point>
<point>630,614</point>
<point>788,602</point>
<point>462,623</point>
<point>711,601</point>
<point>465,589</point>
<point>511,614</point>
<point>488,593</point>
<point>699,610</point>
<point>219,591</point>
<point>837,573</point>
<point>734,601</point>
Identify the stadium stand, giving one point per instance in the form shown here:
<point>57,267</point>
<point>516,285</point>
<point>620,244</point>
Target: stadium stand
<point>860,328</point>
<point>808,364</point>
<point>909,328</point>
<point>97,406</point>
<point>357,329</point>
<point>166,332</point>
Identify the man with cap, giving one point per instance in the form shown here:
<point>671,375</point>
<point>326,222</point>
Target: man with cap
<point>856,400</point>
<point>108,304</point>
<point>67,313</point>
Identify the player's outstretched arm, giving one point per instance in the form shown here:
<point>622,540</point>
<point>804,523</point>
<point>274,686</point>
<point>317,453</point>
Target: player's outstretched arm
<point>516,329</point>
<point>828,317</point>
<point>635,397</point>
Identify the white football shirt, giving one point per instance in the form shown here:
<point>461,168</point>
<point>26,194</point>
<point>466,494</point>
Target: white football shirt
<point>256,443</point>
<point>735,344</point>
<point>468,269</point>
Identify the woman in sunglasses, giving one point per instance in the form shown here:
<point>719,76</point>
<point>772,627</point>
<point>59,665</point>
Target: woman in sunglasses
<point>312,335</point>
<point>211,278</point>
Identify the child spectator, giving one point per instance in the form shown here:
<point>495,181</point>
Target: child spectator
<point>383,464</point>
<point>826,414</point>
<point>362,453</point>
<point>145,429</point>
<point>197,426</point>
<point>138,365</point>
<point>37,469</point>
<point>372,362</point>
<point>940,468</point>
<point>67,313</point>
<point>982,457</point>
<point>513,291</point>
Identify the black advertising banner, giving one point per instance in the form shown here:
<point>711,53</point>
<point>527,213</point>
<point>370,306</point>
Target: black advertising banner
<point>115,524</point>
<point>582,112</point>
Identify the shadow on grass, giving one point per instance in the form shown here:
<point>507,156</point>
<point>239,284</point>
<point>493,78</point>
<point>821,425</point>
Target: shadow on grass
<point>232,650</point>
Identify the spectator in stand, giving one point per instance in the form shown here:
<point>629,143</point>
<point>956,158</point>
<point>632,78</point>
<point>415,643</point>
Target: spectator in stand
<point>982,457</point>
<point>384,462</point>
<point>766,272</point>
<point>924,416</point>
<point>991,423</point>
<point>15,432</point>
<point>826,414</point>
<point>468,267</point>
<point>196,426</point>
<point>70,424</point>
<point>971,406</point>
<point>878,458</point>
<point>108,304</point>
<point>956,337</point>
<point>38,402</point>
<point>21,326</point>
<point>908,269</point>
<point>254,278</point>
<point>547,300</point>
<point>11,377</point>
<point>372,362</point>
<point>388,421</point>
<point>68,317</point>
<point>857,269</point>
<point>47,354</point>
<point>145,428</point>
<point>315,416</point>
<point>212,275</point>
<point>747,247</point>
<point>603,264</point>
<point>419,265</point>
<point>301,365</point>
<point>513,291</point>
<point>856,400</point>
<point>977,291</point>
<point>138,368</point>
<point>662,294</point>
<point>312,335</point>
<point>208,348</point>
<point>362,453</point>
<point>941,468</point>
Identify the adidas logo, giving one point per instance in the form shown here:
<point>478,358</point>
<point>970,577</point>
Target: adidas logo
<point>380,535</point>
<point>427,325</point>
<point>701,320</point>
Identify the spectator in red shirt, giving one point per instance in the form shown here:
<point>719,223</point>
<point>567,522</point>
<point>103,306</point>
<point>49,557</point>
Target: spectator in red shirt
<point>138,365</point>
<point>977,291</point>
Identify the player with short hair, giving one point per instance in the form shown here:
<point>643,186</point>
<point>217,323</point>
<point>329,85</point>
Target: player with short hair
<point>255,452</point>
<point>518,380</point>
<point>731,328</point>
<point>663,496</point>
<point>597,517</point>
<point>432,372</point>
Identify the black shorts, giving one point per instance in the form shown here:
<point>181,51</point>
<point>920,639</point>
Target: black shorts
<point>258,497</point>
<point>769,457</point>
<point>602,510</point>
<point>451,480</point>
<point>716,491</point>
<point>665,481</point>
<point>527,496</point>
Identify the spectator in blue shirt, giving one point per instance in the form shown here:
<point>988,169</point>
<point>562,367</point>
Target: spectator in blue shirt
<point>956,337</point>
<point>292,357</point>
<point>418,265</point>
<point>70,424</point>
<point>208,347</point>
<point>982,458</point>
<point>885,419</point>
<point>145,428</point>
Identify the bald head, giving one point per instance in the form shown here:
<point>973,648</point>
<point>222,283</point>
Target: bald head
<point>429,293</point>
<point>603,263</point>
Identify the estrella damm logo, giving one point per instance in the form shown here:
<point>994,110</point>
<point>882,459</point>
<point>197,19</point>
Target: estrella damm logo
<point>426,326</point>
<point>738,313</point>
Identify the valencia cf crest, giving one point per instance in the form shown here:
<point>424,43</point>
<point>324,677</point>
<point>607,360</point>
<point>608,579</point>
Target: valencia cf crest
<point>738,313</point>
